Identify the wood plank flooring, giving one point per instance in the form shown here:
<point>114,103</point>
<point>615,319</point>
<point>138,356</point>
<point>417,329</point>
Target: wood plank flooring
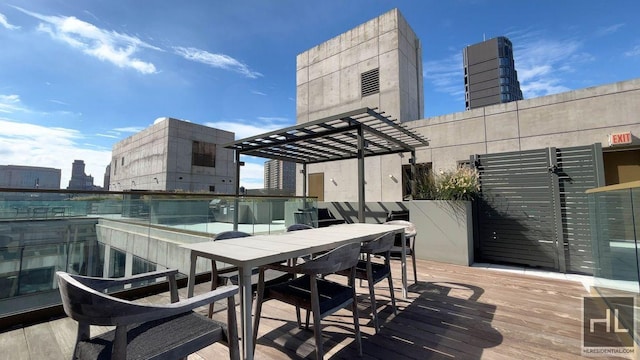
<point>453,312</point>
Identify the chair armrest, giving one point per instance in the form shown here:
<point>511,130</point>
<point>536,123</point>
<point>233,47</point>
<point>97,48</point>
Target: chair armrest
<point>131,313</point>
<point>101,284</point>
<point>209,297</point>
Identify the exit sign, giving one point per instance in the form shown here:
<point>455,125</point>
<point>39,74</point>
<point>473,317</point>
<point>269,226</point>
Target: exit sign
<point>620,138</point>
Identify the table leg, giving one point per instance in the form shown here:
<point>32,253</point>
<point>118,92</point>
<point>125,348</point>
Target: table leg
<point>246,301</point>
<point>192,275</point>
<point>403,258</point>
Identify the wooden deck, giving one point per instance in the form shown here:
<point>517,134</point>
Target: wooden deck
<point>453,312</point>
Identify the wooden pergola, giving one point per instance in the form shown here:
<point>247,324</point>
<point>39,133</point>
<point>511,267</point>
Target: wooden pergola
<point>352,135</point>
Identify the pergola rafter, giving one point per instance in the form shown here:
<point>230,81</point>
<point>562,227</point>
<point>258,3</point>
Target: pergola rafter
<point>352,135</point>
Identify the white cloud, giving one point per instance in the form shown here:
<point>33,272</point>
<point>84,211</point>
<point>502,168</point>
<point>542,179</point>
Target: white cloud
<point>10,104</point>
<point>129,129</point>
<point>543,64</point>
<point>256,92</point>
<point>265,124</point>
<point>633,52</point>
<point>220,61</point>
<point>35,145</point>
<point>110,46</point>
<point>5,23</point>
<point>609,29</point>
<point>446,75</point>
<point>252,175</point>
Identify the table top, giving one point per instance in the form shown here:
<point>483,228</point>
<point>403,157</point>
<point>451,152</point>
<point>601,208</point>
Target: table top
<point>260,250</point>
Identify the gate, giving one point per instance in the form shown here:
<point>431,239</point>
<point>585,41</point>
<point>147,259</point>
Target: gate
<point>533,209</point>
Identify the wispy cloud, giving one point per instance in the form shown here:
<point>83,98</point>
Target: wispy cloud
<point>116,48</point>
<point>243,130</point>
<point>445,75</point>
<point>110,136</point>
<point>5,23</point>
<point>58,102</point>
<point>256,92</point>
<point>633,52</point>
<point>544,63</point>
<point>129,129</point>
<point>609,29</point>
<point>10,104</point>
<point>56,147</point>
<point>220,61</point>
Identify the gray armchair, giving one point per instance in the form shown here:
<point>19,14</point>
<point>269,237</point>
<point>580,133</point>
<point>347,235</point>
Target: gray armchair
<point>143,331</point>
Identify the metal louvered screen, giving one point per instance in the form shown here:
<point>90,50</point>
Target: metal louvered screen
<point>533,209</point>
<point>579,169</point>
<point>370,82</point>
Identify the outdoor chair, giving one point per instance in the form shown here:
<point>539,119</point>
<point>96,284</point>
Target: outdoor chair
<point>298,227</point>
<point>410,238</point>
<point>273,276</point>
<point>374,272</point>
<point>310,292</point>
<point>143,331</point>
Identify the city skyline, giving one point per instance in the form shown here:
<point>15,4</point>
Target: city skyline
<point>77,78</point>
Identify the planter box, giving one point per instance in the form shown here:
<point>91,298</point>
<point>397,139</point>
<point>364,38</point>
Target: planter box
<point>444,228</point>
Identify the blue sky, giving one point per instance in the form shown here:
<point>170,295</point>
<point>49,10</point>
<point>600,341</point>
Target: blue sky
<point>77,76</point>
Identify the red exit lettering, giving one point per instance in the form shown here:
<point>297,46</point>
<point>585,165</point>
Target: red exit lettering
<point>621,138</point>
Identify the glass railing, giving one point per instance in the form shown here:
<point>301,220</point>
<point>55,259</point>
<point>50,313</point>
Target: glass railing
<point>42,232</point>
<point>615,225</point>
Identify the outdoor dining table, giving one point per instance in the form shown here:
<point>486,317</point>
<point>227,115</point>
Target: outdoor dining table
<point>254,251</point>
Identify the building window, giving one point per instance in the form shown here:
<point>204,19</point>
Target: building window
<point>370,82</point>
<point>122,161</point>
<point>203,154</point>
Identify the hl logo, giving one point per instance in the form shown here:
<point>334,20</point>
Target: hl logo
<point>607,325</point>
<point>615,326</point>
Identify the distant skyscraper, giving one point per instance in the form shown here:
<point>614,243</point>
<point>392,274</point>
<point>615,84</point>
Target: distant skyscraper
<point>490,75</point>
<point>80,180</point>
<point>280,175</point>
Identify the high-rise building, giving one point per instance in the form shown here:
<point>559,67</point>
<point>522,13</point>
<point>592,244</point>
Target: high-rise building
<point>280,175</point>
<point>490,75</point>
<point>80,180</point>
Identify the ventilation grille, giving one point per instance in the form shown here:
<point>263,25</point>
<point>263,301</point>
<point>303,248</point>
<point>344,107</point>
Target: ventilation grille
<point>370,82</point>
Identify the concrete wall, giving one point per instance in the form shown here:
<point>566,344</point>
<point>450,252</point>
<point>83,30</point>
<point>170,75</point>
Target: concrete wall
<point>328,75</point>
<point>159,246</point>
<point>444,228</point>
<point>160,158</point>
<point>574,118</point>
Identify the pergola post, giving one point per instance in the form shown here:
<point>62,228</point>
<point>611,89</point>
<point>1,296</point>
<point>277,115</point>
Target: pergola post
<point>236,201</point>
<point>361,181</point>
<point>304,185</point>
<point>412,161</point>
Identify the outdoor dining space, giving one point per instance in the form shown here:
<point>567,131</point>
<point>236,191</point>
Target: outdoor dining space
<point>451,312</point>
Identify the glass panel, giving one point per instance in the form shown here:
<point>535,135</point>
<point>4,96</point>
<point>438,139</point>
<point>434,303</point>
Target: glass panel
<point>87,233</point>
